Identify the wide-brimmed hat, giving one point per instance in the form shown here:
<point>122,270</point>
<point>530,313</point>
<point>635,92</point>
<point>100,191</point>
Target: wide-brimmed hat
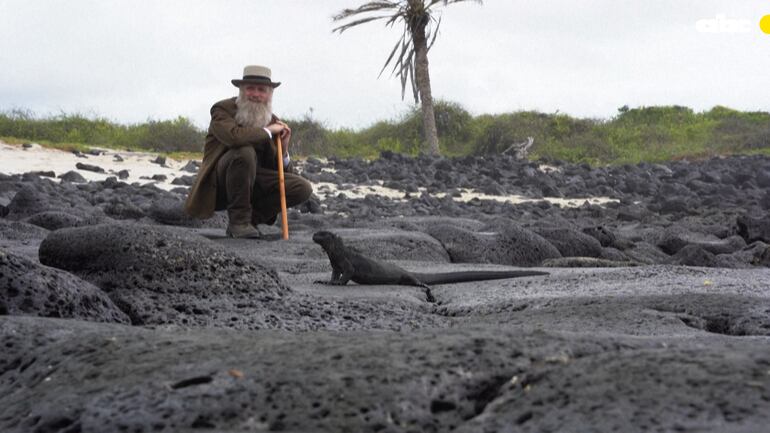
<point>255,74</point>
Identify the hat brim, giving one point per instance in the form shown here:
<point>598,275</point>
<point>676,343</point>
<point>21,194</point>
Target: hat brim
<point>239,83</point>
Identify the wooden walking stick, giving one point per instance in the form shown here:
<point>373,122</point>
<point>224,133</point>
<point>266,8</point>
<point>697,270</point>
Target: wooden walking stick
<point>282,190</point>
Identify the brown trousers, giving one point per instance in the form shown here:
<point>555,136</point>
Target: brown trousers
<point>250,193</point>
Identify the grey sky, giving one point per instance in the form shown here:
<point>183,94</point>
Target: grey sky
<point>133,60</point>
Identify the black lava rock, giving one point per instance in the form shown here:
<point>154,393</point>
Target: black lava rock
<point>161,275</point>
<point>27,288</point>
<point>89,167</point>
<point>72,176</point>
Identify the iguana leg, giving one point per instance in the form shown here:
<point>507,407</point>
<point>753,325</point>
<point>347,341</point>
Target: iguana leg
<point>415,282</point>
<point>340,277</point>
<point>428,295</point>
<point>347,272</point>
<point>334,281</point>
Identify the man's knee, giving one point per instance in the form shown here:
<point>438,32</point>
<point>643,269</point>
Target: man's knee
<point>301,190</point>
<point>244,155</point>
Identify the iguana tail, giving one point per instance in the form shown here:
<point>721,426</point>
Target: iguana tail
<point>459,277</point>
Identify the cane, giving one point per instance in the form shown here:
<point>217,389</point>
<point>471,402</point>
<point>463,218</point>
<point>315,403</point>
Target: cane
<point>282,190</point>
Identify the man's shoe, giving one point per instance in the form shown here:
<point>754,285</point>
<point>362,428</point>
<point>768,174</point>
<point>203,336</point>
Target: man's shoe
<point>243,231</point>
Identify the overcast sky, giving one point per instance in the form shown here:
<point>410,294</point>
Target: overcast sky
<point>134,60</point>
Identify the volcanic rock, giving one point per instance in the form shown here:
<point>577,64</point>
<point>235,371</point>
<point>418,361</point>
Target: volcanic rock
<point>570,242</point>
<point>44,195</point>
<point>183,180</point>
<point>20,230</point>
<point>756,254</point>
<point>647,253</point>
<point>601,233</point>
<point>53,220</point>
<point>694,255</point>
<point>162,275</point>
<point>72,176</point>
<point>192,166</point>
<point>89,167</point>
<point>754,229</point>
<point>509,244</point>
<point>48,173</point>
<point>674,238</point>
<point>394,245</point>
<point>27,288</point>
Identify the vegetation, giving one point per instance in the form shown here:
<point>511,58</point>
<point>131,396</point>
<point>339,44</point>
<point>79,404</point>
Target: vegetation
<point>77,132</point>
<point>411,64</point>
<point>651,134</point>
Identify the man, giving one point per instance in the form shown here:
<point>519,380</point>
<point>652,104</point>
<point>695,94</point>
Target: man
<point>240,160</point>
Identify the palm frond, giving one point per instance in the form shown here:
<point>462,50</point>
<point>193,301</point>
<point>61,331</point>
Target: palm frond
<point>407,50</point>
<point>344,27</point>
<point>435,33</point>
<point>415,90</point>
<point>449,2</point>
<point>416,16</point>
<point>367,7</point>
<point>390,57</point>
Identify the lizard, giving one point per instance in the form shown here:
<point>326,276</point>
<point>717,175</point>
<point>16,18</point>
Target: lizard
<point>348,265</point>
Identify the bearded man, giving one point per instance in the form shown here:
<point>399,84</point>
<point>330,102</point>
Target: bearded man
<point>240,161</point>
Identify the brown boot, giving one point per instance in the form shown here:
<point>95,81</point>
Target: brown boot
<point>244,231</point>
<point>238,225</point>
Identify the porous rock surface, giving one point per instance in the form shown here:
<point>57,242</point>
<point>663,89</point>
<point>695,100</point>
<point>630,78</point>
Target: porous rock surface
<point>451,380</point>
<point>234,335</point>
<point>156,274</point>
<point>28,288</point>
<point>511,245</point>
<point>54,220</point>
<point>394,245</point>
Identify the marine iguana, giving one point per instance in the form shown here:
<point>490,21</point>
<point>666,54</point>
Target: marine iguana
<point>348,264</point>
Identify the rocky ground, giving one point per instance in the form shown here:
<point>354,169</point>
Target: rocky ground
<point>120,313</point>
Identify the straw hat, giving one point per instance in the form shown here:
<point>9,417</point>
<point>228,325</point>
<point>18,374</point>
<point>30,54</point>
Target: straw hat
<point>255,74</point>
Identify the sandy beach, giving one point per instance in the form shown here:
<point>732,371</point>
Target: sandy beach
<point>17,159</point>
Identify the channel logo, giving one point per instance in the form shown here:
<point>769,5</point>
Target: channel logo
<point>764,24</point>
<point>722,24</point>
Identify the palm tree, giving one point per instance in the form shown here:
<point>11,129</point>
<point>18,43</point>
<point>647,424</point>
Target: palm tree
<point>411,64</point>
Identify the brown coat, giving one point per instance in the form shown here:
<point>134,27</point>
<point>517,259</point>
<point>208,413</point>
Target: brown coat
<point>224,134</point>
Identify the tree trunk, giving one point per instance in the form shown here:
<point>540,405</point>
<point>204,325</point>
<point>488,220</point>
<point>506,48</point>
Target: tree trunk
<point>423,87</point>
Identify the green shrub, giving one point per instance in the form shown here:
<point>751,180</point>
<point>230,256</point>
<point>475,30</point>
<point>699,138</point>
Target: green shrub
<point>171,135</point>
<point>163,136</point>
<point>634,135</point>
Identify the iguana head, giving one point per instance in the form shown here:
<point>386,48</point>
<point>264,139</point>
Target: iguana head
<point>326,239</point>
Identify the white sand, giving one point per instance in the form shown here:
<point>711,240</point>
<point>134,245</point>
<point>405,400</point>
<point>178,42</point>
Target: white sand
<point>466,195</point>
<point>14,159</point>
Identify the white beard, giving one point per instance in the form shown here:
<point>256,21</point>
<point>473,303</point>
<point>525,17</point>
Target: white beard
<point>253,114</point>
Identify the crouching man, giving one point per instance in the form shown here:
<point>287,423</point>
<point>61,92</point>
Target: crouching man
<point>239,171</point>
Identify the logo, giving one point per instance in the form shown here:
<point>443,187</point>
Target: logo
<point>764,24</point>
<point>722,24</point>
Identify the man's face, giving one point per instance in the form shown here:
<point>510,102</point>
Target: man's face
<point>258,93</point>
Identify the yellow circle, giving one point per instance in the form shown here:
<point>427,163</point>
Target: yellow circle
<point>764,24</point>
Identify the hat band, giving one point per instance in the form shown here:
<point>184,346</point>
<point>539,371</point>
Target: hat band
<point>256,77</point>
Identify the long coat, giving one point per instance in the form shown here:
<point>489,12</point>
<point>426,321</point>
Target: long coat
<point>225,133</point>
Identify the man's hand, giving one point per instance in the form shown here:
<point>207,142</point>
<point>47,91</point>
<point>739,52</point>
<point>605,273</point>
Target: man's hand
<point>282,130</point>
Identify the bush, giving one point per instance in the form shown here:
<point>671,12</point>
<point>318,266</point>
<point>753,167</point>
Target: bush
<point>171,136</point>
<point>163,136</point>
<point>309,137</point>
<point>634,135</point>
